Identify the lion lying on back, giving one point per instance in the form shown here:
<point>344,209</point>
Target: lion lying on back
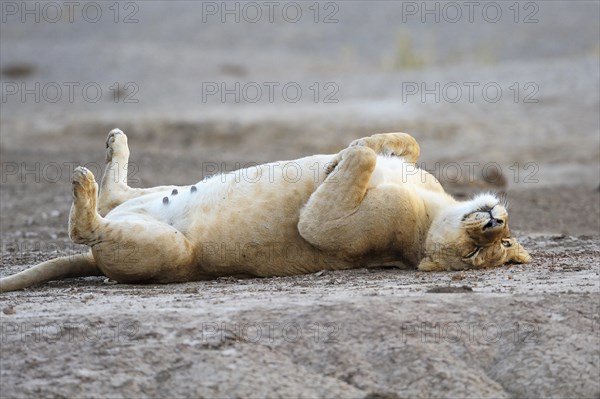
<point>365,206</point>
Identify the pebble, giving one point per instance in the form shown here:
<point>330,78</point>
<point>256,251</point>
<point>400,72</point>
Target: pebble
<point>9,310</point>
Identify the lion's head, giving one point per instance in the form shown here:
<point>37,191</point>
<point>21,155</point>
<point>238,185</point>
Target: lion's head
<point>472,234</point>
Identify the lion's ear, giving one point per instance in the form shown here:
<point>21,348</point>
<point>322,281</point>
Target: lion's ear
<point>518,254</point>
<point>428,264</point>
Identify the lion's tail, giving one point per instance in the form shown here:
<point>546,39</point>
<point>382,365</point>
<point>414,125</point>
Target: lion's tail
<point>67,266</point>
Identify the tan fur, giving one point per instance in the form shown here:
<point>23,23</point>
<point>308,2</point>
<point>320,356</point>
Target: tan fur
<point>330,212</point>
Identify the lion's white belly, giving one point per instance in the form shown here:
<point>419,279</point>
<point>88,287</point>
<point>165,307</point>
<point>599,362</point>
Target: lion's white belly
<point>227,192</point>
<point>176,209</point>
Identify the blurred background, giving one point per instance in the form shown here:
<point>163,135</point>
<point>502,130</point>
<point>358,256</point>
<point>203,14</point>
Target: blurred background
<point>502,96</point>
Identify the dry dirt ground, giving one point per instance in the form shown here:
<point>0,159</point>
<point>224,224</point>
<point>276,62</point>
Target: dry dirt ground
<point>517,331</point>
<point>514,331</point>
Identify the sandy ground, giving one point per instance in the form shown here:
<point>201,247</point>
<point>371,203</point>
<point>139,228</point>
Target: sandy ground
<point>515,331</point>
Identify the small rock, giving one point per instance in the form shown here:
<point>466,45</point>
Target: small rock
<point>163,376</point>
<point>458,276</point>
<point>9,310</point>
<point>229,352</point>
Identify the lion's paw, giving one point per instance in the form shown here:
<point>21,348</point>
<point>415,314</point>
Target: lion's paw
<point>352,157</point>
<point>83,176</point>
<point>358,143</point>
<point>116,145</point>
<point>391,144</point>
<point>83,182</point>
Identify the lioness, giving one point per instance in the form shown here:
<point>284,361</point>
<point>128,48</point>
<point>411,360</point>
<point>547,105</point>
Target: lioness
<point>364,206</point>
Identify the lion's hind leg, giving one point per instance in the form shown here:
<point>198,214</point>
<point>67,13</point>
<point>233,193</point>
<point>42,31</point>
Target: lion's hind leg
<point>114,189</point>
<point>130,247</point>
<point>84,220</point>
<point>391,144</point>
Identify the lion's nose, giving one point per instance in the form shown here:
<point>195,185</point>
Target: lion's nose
<point>493,223</point>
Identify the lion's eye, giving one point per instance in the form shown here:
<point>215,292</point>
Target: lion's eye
<point>507,243</point>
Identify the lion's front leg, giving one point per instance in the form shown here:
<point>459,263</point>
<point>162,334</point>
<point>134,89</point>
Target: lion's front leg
<point>339,216</point>
<point>391,144</point>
